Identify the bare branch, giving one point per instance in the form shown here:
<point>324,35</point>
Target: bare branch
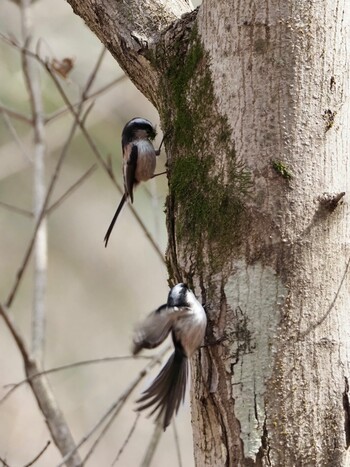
<point>32,80</point>
<point>78,121</point>
<point>15,114</point>
<point>102,90</point>
<point>177,443</point>
<point>42,392</point>
<point>15,334</point>
<point>68,367</point>
<point>127,46</point>
<point>118,404</point>
<point>22,211</point>
<point>30,247</point>
<point>55,174</point>
<point>127,439</point>
<point>17,139</point>
<point>93,74</point>
<point>153,444</point>
<point>71,190</point>
<point>38,455</point>
<point>40,387</point>
<point>4,463</point>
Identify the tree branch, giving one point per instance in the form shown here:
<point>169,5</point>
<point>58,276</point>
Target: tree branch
<point>152,446</point>
<point>115,408</point>
<point>58,113</point>
<point>69,366</point>
<point>15,135</point>
<point>55,421</point>
<point>128,29</point>
<point>38,455</point>
<point>15,114</point>
<point>32,80</point>
<point>127,439</point>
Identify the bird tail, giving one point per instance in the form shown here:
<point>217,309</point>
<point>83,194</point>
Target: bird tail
<point>110,228</point>
<point>167,390</point>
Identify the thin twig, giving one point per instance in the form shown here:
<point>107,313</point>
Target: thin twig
<point>177,443</point>
<point>38,455</point>
<point>104,430</point>
<point>4,463</point>
<point>65,109</point>
<point>22,211</point>
<point>77,119</point>
<point>117,405</point>
<point>70,190</point>
<point>30,247</point>
<point>93,74</point>
<point>68,367</point>
<point>32,80</point>
<point>13,43</point>
<point>48,194</point>
<point>42,392</point>
<point>127,439</point>
<point>17,139</point>
<point>153,444</point>
<point>57,425</point>
<point>43,213</point>
<point>15,114</point>
<point>15,334</point>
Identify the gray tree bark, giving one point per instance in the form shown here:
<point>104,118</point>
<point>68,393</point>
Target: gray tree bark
<point>254,98</point>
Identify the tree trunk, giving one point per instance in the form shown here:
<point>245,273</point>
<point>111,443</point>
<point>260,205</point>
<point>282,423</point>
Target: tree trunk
<point>254,99</point>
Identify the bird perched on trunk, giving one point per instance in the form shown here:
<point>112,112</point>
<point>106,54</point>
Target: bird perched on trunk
<point>139,160</point>
<point>185,318</point>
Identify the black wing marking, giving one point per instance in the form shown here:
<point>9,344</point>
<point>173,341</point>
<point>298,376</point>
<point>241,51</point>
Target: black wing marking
<point>130,172</point>
<point>110,228</point>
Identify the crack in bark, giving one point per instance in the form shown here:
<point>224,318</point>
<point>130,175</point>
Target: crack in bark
<point>224,436</point>
<point>171,254</point>
<point>263,456</point>
<point>256,408</point>
<point>346,405</point>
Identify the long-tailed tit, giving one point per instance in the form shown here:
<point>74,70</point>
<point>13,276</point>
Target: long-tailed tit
<point>185,318</point>
<point>139,160</point>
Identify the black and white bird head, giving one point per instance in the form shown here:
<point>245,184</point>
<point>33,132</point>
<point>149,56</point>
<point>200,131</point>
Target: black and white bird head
<point>138,128</point>
<point>181,296</point>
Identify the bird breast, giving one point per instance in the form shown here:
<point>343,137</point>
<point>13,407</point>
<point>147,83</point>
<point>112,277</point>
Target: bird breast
<point>146,160</point>
<point>190,329</point>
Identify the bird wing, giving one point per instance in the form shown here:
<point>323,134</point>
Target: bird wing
<point>154,329</point>
<point>130,171</point>
<point>168,389</point>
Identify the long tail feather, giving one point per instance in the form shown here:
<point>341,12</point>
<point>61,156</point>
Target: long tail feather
<point>110,228</point>
<point>167,390</point>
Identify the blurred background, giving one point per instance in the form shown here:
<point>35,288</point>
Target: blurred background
<point>94,295</point>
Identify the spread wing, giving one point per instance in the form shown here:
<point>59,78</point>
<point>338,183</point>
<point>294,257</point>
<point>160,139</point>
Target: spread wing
<point>154,329</point>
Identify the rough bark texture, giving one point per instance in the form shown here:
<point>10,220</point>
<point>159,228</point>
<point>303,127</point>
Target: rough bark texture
<point>281,77</point>
<point>128,29</point>
<point>256,97</point>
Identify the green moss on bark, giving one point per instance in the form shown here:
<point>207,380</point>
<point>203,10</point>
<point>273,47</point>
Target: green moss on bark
<point>207,185</point>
